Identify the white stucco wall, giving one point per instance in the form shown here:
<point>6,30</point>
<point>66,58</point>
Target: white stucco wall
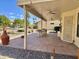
<point>76,38</point>
<point>73,13</point>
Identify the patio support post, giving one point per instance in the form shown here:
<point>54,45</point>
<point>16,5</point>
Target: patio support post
<point>46,24</point>
<point>25,27</point>
<point>41,24</point>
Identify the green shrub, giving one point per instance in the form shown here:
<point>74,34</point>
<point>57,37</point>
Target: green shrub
<point>20,30</point>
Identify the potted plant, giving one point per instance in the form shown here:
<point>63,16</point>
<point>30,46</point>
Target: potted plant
<point>5,37</point>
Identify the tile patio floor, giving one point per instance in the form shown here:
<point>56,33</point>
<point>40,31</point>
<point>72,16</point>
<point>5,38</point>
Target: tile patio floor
<point>45,44</point>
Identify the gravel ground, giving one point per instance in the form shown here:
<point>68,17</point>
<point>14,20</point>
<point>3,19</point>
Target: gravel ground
<point>14,53</point>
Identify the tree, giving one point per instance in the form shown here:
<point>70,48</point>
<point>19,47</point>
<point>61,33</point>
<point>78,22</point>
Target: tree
<point>4,21</point>
<point>19,22</point>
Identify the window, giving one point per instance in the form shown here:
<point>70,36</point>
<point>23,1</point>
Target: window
<point>78,25</point>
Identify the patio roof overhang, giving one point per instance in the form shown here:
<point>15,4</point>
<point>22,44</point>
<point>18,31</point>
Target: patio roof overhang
<point>47,9</point>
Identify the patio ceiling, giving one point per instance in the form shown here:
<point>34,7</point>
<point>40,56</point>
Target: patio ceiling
<point>47,9</point>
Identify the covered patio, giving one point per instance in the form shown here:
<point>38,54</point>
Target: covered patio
<point>57,10</point>
<point>65,11</point>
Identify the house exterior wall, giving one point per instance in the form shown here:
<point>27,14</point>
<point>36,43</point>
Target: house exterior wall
<point>39,25</point>
<point>43,25</point>
<point>52,24</point>
<point>49,25</point>
<point>74,14</point>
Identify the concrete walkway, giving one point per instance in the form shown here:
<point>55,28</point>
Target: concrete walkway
<point>45,44</point>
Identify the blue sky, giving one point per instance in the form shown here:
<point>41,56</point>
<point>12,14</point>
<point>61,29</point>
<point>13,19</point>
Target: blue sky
<point>10,9</point>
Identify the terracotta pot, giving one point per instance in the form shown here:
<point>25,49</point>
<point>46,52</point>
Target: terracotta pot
<point>5,38</point>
